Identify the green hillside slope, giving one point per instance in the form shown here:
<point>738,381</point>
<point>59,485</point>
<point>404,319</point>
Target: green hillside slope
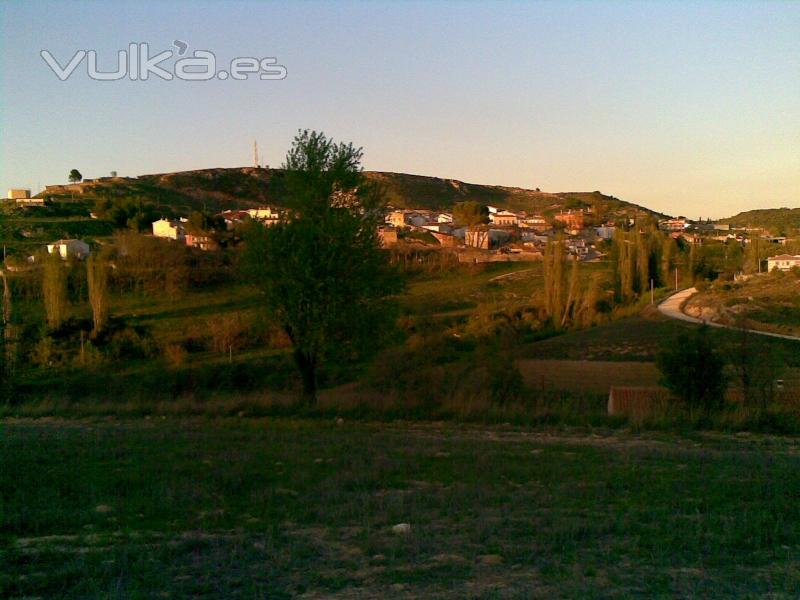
<point>219,189</point>
<point>779,221</point>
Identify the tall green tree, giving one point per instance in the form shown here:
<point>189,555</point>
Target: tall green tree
<point>669,252</point>
<point>97,281</point>
<point>470,213</point>
<point>323,274</point>
<point>757,365</point>
<point>693,369</point>
<point>54,290</point>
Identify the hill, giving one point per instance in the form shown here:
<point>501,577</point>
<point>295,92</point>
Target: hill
<point>778,221</point>
<point>219,189</point>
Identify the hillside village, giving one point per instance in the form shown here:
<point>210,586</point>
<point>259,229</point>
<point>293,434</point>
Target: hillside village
<point>420,214</point>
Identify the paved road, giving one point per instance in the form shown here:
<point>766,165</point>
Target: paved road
<point>507,275</point>
<point>671,307</point>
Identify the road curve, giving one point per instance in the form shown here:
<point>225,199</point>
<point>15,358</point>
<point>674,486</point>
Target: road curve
<point>671,307</point>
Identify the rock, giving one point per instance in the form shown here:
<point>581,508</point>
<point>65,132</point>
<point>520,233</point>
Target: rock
<point>103,509</point>
<point>339,421</point>
<point>490,559</point>
<point>402,528</point>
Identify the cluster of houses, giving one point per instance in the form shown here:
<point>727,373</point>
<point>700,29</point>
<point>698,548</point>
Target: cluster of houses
<point>506,231</point>
<point>180,230</point>
<point>696,232</point>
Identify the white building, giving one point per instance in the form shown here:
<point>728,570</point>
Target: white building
<point>264,214</point>
<point>69,248</point>
<point>605,232</point>
<point>783,262</point>
<point>504,217</point>
<point>438,227</point>
<point>170,229</point>
<point>19,194</point>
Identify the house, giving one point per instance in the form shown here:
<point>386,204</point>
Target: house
<point>605,232</point>
<point>233,218</point>
<point>69,248</point>
<point>265,214</point>
<point>438,227</point>
<point>169,228</point>
<point>504,218</point>
<point>783,262</point>
<point>578,247</point>
<point>23,197</point>
<point>686,237</point>
<point>396,218</point>
<point>535,222</point>
<point>387,235</point>
<point>444,218</point>
<point>417,218</point>
<point>485,238</point>
<point>678,224</point>
<point>447,240</point>
<point>201,240</point>
<point>574,220</point>
<point>18,194</point>
<point>408,218</point>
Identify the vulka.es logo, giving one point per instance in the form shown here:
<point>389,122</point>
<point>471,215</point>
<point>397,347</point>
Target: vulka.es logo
<point>137,64</point>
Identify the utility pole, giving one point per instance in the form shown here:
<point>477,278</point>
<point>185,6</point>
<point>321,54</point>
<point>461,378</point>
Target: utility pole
<point>255,154</point>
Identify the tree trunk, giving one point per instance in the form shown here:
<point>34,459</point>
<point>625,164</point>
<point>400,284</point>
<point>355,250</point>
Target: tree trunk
<point>307,365</point>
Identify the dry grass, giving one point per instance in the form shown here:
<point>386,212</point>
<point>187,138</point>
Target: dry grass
<point>586,376</point>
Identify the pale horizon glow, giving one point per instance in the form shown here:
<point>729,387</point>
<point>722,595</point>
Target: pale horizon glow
<point>685,108</point>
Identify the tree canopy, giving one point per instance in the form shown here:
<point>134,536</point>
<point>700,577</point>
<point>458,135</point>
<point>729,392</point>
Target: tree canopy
<point>693,370</point>
<point>323,273</point>
<point>75,176</point>
<point>470,213</point>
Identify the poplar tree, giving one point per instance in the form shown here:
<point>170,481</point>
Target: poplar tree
<point>54,290</point>
<point>572,303</point>
<point>668,251</point>
<point>97,281</point>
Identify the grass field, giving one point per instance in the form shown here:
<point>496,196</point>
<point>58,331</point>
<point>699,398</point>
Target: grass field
<point>587,376</point>
<point>636,338</point>
<point>242,508</point>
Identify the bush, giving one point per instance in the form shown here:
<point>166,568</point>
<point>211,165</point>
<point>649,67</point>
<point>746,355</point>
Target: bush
<point>693,370</point>
<point>174,354</point>
<point>130,343</point>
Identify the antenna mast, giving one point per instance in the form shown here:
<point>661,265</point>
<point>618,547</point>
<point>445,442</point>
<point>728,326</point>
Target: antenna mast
<point>255,153</point>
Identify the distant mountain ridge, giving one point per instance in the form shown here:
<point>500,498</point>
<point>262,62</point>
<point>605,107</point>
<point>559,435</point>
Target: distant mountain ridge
<point>778,221</point>
<point>233,188</point>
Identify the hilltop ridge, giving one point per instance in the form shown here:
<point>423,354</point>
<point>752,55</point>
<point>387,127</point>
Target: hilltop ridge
<point>779,221</point>
<point>246,187</point>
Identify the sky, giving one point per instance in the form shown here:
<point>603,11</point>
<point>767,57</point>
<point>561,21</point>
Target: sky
<point>686,108</point>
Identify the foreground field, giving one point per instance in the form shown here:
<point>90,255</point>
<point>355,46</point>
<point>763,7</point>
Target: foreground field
<point>244,508</point>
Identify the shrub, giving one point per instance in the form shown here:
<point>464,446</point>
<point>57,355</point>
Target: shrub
<point>693,370</point>
<point>131,343</point>
<point>174,354</point>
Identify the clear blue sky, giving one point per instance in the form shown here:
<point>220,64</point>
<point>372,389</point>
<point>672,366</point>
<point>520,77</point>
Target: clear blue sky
<point>687,108</point>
